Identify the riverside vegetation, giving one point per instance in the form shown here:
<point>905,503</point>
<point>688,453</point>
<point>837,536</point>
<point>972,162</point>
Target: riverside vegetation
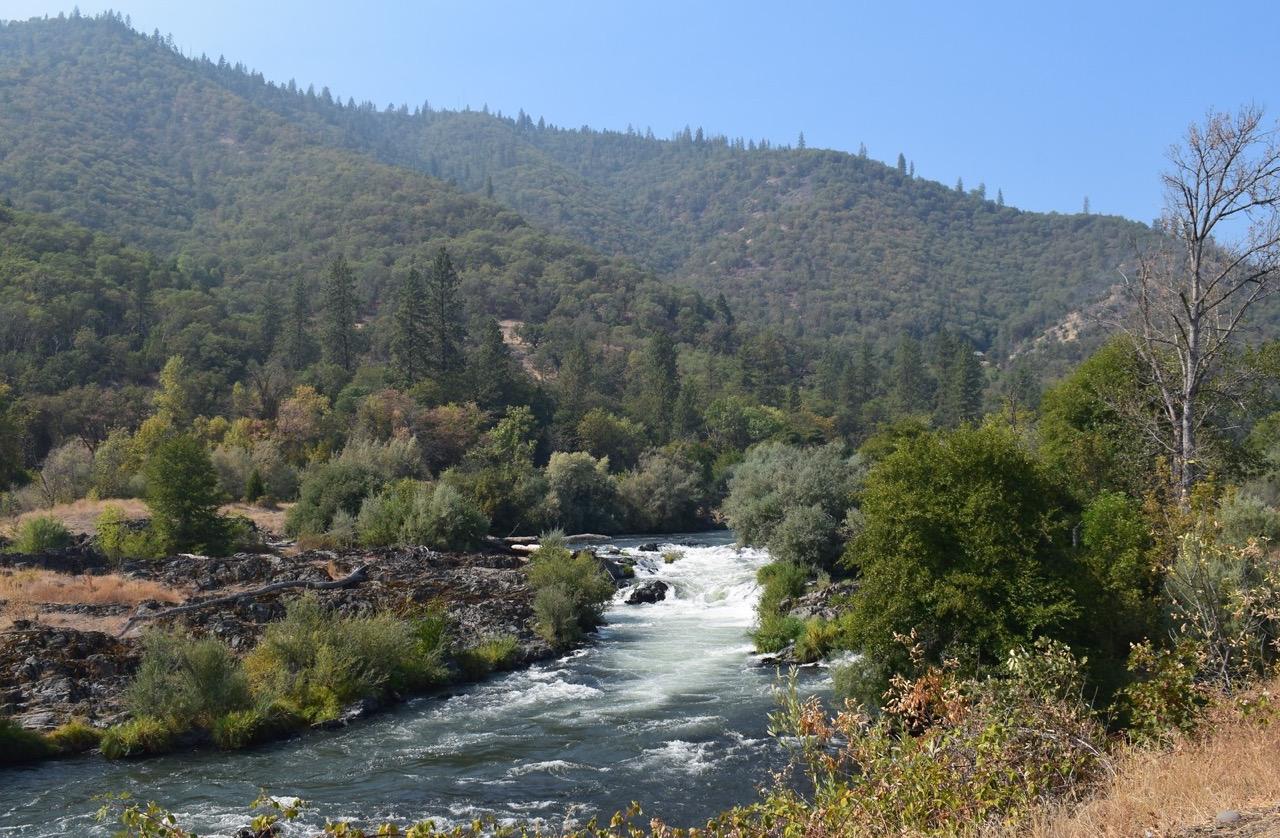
<point>1047,572</point>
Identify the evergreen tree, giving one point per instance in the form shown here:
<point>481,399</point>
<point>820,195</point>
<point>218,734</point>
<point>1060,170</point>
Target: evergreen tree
<point>183,495</point>
<point>959,395</point>
<point>340,315</point>
<point>574,384</point>
<point>445,329</point>
<point>298,348</point>
<point>492,372</point>
<point>999,197</point>
<point>268,321</point>
<point>410,348</point>
<point>655,385</point>
<point>902,163</point>
<point>910,388</point>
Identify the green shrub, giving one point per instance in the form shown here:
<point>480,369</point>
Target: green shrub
<point>1165,697</point>
<point>254,487</point>
<point>818,640</point>
<point>581,496</point>
<point>320,663</point>
<point>186,682</point>
<point>775,479</point>
<point>19,745</point>
<point>776,632</point>
<point>120,540</point>
<point>382,516</point>
<point>443,518</point>
<point>806,535</point>
<point>556,616</point>
<point>137,737</point>
<point>493,655</point>
<point>577,579</point>
<point>41,533</point>
<point>242,728</point>
<point>664,493</point>
<point>945,757</point>
<point>672,556</point>
<point>1244,516</point>
<point>74,737</point>
<point>780,581</point>
<point>327,488</point>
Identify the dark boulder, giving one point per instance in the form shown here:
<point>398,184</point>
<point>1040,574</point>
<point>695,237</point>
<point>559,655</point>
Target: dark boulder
<point>646,592</point>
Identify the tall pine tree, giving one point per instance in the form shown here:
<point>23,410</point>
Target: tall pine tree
<point>410,345</point>
<point>298,347</point>
<point>340,315</point>
<point>445,328</point>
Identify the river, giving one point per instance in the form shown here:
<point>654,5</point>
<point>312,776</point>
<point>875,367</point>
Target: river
<point>666,706</point>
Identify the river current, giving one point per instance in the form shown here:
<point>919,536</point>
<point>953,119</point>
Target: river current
<point>667,706</point>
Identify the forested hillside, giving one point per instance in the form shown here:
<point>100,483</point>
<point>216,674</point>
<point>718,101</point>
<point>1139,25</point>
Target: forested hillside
<point>120,134</point>
<point>245,181</point>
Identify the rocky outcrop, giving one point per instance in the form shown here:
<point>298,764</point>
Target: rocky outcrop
<point>655,590</point>
<point>53,674</point>
<point>823,602</point>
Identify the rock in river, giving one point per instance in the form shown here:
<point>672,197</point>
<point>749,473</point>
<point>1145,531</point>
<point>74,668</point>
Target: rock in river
<point>654,590</point>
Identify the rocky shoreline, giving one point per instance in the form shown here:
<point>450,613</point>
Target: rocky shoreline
<point>52,674</point>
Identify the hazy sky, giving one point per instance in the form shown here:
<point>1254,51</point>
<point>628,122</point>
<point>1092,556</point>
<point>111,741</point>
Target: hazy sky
<point>1049,101</point>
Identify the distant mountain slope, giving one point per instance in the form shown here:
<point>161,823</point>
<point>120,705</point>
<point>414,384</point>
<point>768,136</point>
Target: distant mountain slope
<point>818,242</point>
<point>247,182</point>
<point>117,132</point>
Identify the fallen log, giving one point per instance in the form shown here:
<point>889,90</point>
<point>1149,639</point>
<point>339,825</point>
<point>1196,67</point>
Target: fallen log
<point>355,577</point>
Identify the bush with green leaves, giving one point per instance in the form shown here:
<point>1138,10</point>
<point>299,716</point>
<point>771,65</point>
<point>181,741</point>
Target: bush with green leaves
<point>392,459</point>
<point>186,682</point>
<point>183,495</point>
<point>945,753</point>
<point>318,663</point>
<point>792,500</point>
<point>327,488</point>
<point>443,518</point>
<point>142,736</point>
<point>40,533</point>
<point>113,468</point>
<point>73,737</point>
<point>965,539</point>
<point>1242,516</point>
<point>120,538</point>
<point>492,655</point>
<point>664,493</point>
<point>570,591</point>
<point>418,513</point>
<point>776,632</point>
<point>67,473</point>
<point>581,495</point>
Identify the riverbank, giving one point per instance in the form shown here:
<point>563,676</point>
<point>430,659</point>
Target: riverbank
<point>72,656</point>
<point>666,705</point>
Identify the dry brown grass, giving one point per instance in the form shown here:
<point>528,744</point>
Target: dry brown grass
<point>82,515</point>
<point>1234,766</point>
<point>24,591</point>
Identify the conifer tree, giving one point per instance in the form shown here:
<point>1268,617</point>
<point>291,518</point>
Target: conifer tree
<point>902,163</point>
<point>910,383</point>
<point>410,347</point>
<point>492,372</point>
<point>445,329</point>
<point>340,315</point>
<point>298,347</point>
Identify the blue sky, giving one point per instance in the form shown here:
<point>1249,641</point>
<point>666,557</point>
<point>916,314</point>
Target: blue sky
<point>1049,102</point>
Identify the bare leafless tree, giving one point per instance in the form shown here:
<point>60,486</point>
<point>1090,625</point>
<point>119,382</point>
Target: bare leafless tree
<point>1217,256</point>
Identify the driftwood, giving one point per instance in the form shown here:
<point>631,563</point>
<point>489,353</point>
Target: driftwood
<point>355,577</point>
